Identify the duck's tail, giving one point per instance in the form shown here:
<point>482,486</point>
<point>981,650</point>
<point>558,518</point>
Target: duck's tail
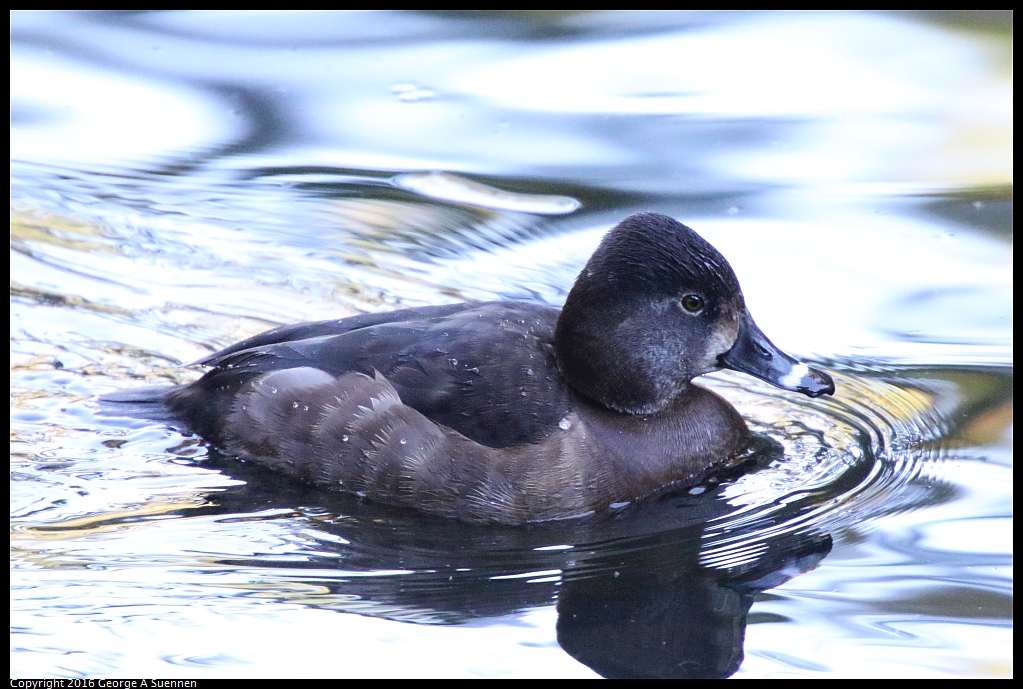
<point>140,403</point>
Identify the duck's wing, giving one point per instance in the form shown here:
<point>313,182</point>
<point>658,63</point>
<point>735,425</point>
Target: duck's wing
<point>312,329</point>
<point>486,371</point>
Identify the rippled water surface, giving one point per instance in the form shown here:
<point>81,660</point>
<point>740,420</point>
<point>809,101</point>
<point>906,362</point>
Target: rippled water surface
<point>181,181</point>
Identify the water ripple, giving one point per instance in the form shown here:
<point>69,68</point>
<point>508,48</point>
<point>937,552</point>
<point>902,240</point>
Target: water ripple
<point>846,459</point>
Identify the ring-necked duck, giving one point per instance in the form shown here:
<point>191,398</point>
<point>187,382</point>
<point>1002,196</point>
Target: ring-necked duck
<point>503,411</point>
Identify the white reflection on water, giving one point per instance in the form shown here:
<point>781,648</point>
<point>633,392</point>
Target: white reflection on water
<point>90,116</point>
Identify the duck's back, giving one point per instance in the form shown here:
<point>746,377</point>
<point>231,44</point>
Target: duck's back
<point>486,370</point>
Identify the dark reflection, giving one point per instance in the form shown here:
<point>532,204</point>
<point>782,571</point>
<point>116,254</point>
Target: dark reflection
<point>987,209</point>
<point>662,615</point>
<point>633,598</point>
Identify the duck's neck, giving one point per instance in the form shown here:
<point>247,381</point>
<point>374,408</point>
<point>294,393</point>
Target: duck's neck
<point>680,445</point>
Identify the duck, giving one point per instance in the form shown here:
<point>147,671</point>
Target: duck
<point>503,412</point>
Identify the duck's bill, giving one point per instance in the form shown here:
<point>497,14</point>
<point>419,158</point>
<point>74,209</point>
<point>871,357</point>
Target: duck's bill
<point>756,355</point>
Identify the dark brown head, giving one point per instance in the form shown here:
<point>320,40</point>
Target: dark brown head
<point>656,306</point>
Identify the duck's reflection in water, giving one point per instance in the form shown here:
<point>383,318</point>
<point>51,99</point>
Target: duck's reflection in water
<point>659,613</point>
<point>636,594</point>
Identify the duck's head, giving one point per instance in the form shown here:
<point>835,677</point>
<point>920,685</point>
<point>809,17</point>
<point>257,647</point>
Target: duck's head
<point>656,306</point>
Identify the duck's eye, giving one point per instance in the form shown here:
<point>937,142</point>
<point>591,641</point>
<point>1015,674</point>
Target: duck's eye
<point>693,303</point>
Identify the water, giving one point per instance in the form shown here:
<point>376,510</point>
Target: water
<point>181,181</point>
